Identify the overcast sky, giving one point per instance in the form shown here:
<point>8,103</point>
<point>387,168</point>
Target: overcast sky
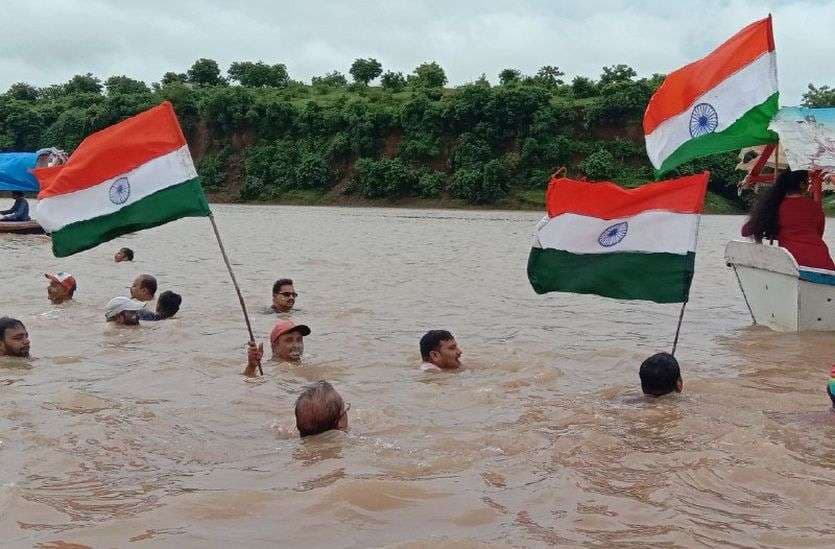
<point>49,41</point>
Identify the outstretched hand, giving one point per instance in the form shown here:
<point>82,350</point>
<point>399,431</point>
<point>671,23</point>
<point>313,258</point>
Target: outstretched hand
<point>254,354</point>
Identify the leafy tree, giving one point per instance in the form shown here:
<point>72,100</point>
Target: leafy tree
<point>599,165</point>
<point>172,77</point>
<point>124,85</point>
<point>23,92</point>
<point>83,83</point>
<point>482,81</point>
<point>508,76</point>
<point>549,76</point>
<point>393,81</point>
<point>333,79</point>
<point>430,184</point>
<point>259,74</point>
<point>386,177</point>
<point>365,70</point>
<point>616,73</point>
<point>428,75</point>
<point>225,109</point>
<point>583,87</point>
<point>823,96</point>
<point>205,72</point>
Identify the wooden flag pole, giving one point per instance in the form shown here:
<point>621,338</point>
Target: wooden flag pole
<point>678,328</point>
<point>235,283</point>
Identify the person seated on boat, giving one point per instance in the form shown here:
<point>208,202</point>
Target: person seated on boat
<point>143,288</point>
<point>439,351</point>
<point>320,409</point>
<point>61,287</point>
<point>796,221</point>
<point>286,341</point>
<point>123,311</point>
<point>660,375</point>
<point>19,210</point>
<point>124,254</point>
<point>14,339</point>
<point>284,296</point>
<point>167,306</point>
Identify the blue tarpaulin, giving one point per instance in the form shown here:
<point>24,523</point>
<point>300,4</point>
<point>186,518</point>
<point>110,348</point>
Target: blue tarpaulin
<point>14,172</point>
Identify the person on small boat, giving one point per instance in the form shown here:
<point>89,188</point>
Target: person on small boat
<point>19,210</point>
<point>796,221</point>
<point>660,375</point>
<point>167,306</point>
<point>14,339</point>
<point>320,409</point>
<point>61,287</point>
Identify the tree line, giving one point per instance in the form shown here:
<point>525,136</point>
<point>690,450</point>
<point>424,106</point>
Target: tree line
<point>261,134</point>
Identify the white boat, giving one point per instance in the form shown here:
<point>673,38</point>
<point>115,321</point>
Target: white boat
<point>780,294</point>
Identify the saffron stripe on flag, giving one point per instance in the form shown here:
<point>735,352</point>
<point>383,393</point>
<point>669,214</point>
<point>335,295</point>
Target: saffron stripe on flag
<point>183,200</point>
<point>681,87</point>
<point>658,277</point>
<point>114,151</point>
<point>606,200</point>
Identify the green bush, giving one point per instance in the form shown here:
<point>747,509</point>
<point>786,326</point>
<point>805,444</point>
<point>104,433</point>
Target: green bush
<point>430,184</point>
<point>212,170</point>
<point>599,165</point>
<point>384,178</point>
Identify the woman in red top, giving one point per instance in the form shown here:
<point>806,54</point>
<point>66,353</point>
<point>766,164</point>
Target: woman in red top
<point>794,220</point>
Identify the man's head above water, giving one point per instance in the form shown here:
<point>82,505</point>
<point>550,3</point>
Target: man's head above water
<point>284,295</point>
<point>660,375</point>
<point>438,347</point>
<point>14,339</point>
<point>143,288</point>
<point>319,409</point>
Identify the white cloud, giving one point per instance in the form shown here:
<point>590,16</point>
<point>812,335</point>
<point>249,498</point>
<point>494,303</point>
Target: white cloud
<point>48,42</point>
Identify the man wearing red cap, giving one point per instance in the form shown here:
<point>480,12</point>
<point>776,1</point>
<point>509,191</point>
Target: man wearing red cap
<point>61,287</point>
<point>287,342</point>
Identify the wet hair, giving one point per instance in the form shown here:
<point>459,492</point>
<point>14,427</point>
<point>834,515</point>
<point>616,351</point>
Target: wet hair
<point>281,282</point>
<point>431,341</point>
<point>7,323</point>
<point>168,304</point>
<point>17,194</point>
<point>659,374</point>
<point>149,283</point>
<point>318,409</point>
<point>128,253</point>
<point>764,221</point>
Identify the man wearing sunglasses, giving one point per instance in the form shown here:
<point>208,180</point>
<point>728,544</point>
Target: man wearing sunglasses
<point>284,296</point>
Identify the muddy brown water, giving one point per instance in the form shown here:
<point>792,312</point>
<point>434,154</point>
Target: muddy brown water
<point>150,437</point>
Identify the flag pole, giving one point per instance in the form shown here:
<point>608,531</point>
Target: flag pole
<point>234,283</point>
<point>678,328</point>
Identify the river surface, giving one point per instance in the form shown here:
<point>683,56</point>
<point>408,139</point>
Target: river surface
<point>150,437</point>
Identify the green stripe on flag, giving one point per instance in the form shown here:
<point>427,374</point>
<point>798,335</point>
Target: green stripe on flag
<point>749,130</point>
<point>181,200</point>
<point>659,277</point>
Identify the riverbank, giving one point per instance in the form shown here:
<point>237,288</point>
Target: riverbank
<point>525,200</point>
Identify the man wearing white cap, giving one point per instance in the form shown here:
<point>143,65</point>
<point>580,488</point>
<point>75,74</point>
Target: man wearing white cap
<point>61,287</point>
<point>123,311</point>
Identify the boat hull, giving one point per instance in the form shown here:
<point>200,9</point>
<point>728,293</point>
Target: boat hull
<point>779,294</point>
<point>21,227</point>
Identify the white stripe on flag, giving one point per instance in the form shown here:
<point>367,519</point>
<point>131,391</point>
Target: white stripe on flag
<point>159,173</point>
<point>733,97</point>
<point>648,232</point>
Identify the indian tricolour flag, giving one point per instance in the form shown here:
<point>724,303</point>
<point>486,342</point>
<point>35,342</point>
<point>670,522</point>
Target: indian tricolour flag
<point>133,175</point>
<point>720,103</point>
<point>599,238</point>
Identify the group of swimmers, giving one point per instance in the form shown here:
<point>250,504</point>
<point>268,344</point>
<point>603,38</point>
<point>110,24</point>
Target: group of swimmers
<point>782,214</point>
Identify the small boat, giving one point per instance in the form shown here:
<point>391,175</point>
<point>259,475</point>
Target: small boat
<point>21,227</point>
<point>780,294</point>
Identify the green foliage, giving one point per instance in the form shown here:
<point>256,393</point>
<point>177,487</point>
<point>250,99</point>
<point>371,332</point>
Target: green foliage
<point>225,109</point>
<point>384,178</point>
<point>212,170</point>
<point>283,165</point>
<point>259,74</point>
<point>481,185</point>
<point>124,85</point>
<point>549,76</point>
<point>173,77</point>
<point>393,81</point>
<point>430,184</point>
<point>82,83</point>
<point>22,92</point>
<point>428,75</point>
<point>823,96</point>
<point>364,71</point>
<point>599,166</point>
<point>616,74</point>
<point>333,79</point>
<point>582,87</point>
<point>205,72</point>
<point>509,76</point>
